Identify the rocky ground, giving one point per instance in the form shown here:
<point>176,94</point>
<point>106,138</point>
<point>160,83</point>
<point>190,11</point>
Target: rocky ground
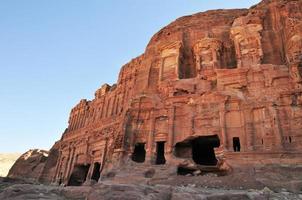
<point>6,162</point>
<point>262,182</point>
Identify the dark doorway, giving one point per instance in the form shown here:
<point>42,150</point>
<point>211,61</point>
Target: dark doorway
<point>139,153</point>
<point>78,175</point>
<point>96,172</point>
<point>203,150</point>
<point>236,144</point>
<point>160,153</point>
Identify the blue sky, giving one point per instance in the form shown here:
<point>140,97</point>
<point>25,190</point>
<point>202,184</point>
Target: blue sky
<point>55,52</point>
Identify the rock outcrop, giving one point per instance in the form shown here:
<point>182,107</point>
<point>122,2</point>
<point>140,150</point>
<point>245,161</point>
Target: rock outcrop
<point>212,91</point>
<point>49,168</point>
<point>29,165</point>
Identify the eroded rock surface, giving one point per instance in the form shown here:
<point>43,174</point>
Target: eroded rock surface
<point>29,165</point>
<point>213,92</point>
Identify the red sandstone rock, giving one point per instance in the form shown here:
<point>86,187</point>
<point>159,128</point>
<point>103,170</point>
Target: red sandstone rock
<point>217,88</point>
<point>30,165</point>
<point>49,168</point>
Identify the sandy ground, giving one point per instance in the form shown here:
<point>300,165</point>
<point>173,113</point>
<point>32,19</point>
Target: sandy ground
<point>6,162</point>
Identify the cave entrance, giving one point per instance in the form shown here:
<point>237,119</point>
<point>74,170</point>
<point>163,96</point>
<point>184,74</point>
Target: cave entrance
<point>139,153</point>
<point>96,172</point>
<point>203,149</point>
<point>160,153</point>
<point>200,149</point>
<point>78,176</point>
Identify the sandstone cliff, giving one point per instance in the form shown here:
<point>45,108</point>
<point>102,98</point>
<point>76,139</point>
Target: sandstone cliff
<point>213,90</point>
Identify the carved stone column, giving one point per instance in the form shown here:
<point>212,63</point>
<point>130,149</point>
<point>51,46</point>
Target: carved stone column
<point>56,177</point>
<point>276,127</point>
<point>113,105</point>
<point>89,174</point>
<point>170,141</point>
<point>69,164</point>
<point>151,138</point>
<point>249,130</point>
<point>71,124</point>
<point>105,105</point>
<point>102,104</point>
<point>66,164</point>
<point>76,125</point>
<point>192,119</point>
<point>223,129</point>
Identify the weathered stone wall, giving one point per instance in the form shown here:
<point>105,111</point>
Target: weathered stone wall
<point>234,74</point>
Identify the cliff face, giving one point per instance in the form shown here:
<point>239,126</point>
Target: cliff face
<point>217,87</point>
